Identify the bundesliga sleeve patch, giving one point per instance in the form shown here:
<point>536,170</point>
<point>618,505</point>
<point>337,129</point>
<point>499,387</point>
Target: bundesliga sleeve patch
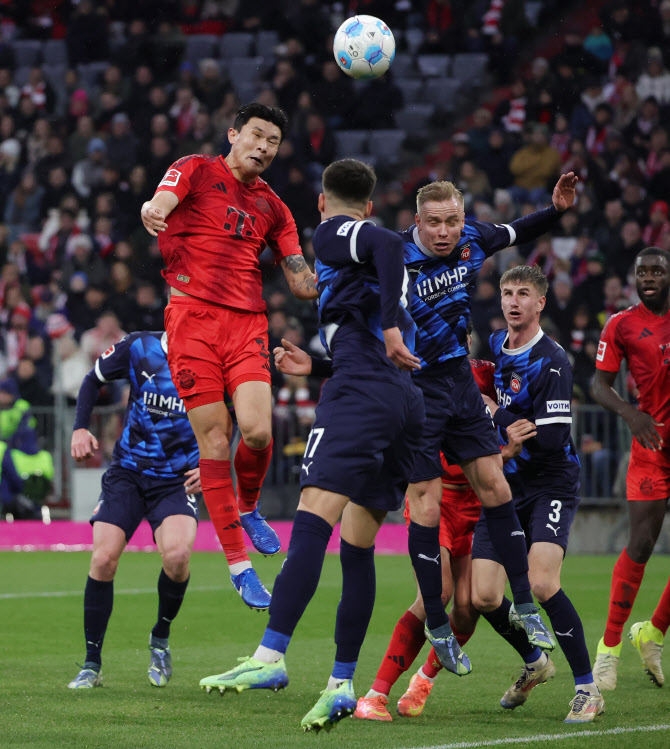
<point>602,345</point>
<point>171,178</point>
<point>109,352</point>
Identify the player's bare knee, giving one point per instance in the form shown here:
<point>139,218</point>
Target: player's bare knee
<point>543,590</point>
<point>486,600</point>
<point>175,563</point>
<point>103,565</point>
<point>257,438</point>
<point>640,549</point>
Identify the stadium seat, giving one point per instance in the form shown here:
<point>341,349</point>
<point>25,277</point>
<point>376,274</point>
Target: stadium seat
<point>366,158</point>
<point>238,44</point>
<point>412,90</point>
<point>414,118</point>
<point>27,53</point>
<point>351,141</point>
<point>470,67</point>
<point>386,145</point>
<point>200,46</point>
<point>54,52</point>
<point>245,69</point>
<point>403,65</point>
<point>442,93</point>
<point>414,38</point>
<point>246,92</point>
<point>21,75</point>
<point>266,41</point>
<point>55,74</point>
<point>433,65</point>
<point>90,74</point>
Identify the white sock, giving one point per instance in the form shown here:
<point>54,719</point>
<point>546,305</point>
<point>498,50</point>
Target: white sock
<point>423,676</point>
<point>539,663</point>
<point>267,655</point>
<point>238,567</point>
<point>591,688</point>
<point>334,683</point>
<point>375,693</point>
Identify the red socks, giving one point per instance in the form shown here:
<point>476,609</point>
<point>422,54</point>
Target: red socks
<point>626,580</point>
<point>432,666</point>
<point>217,489</point>
<point>661,617</point>
<point>251,465</point>
<point>406,642</point>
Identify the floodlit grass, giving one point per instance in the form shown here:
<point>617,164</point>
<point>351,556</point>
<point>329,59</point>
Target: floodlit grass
<point>41,638</point>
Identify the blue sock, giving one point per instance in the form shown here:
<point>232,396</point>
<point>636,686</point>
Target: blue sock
<point>98,602</point>
<point>509,543</point>
<point>570,635</point>
<point>356,604</point>
<point>296,583</point>
<point>424,551</point>
<point>170,597</point>
<point>499,620</point>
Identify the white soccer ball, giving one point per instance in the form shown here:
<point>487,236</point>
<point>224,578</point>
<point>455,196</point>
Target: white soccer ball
<point>364,47</point>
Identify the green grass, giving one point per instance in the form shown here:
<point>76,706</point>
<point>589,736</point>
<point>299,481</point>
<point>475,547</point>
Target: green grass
<point>41,638</point>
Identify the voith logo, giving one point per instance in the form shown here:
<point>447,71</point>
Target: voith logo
<point>515,382</point>
<point>554,406</point>
<point>465,252</point>
<point>602,346</point>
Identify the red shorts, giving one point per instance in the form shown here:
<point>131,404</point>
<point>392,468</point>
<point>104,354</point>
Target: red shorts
<point>459,513</point>
<point>648,477</point>
<point>213,348</point>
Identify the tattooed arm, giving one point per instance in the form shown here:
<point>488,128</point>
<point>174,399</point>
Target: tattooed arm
<point>300,278</point>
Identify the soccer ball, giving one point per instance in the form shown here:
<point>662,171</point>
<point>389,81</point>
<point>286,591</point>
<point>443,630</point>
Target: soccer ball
<point>364,47</point>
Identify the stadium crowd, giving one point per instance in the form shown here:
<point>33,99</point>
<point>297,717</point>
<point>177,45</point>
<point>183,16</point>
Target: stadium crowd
<point>97,100</point>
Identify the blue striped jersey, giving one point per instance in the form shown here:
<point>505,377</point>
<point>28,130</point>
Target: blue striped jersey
<point>157,439</point>
<point>363,290</point>
<point>534,382</point>
<point>442,286</point>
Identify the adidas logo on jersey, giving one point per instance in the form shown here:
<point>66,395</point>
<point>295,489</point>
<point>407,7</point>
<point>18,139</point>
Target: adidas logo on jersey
<point>645,333</point>
<point>220,187</point>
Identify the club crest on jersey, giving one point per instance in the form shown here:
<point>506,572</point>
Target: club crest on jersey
<point>515,382</point>
<point>647,486</point>
<point>171,178</point>
<point>263,205</point>
<point>465,252</point>
<point>601,350</point>
<point>109,352</point>
<point>186,378</point>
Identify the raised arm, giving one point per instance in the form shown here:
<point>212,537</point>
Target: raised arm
<point>641,424</point>
<point>155,211</point>
<point>299,277</point>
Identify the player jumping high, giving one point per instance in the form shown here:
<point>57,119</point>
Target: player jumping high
<point>641,335</point>
<point>222,216</point>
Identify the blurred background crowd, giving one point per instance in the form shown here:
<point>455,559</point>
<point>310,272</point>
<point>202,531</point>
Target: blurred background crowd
<point>97,99</point>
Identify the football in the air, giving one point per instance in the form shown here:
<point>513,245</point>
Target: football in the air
<point>364,47</point>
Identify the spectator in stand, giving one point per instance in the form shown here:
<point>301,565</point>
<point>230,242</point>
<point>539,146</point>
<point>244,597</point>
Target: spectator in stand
<point>658,142</point>
<point>631,238</point>
<point>53,239</point>
<point>160,160</point>
<point>614,299</point>
<point>315,145</point>
<point>71,365</point>
<point>37,141</point>
<point>122,143</point>
<point>301,198</point>
<point>378,95</point>
<point>333,95</point>
<point>87,173</point>
<point>534,167</point>
<point>598,44</point>
<point>658,227</point>
<point>122,289</point>
<point>655,81</point>
<point>56,189</point>
<point>38,89</point>
<point>634,202</point>
<point>84,302</point>
<point>146,311</point>
<point>87,36</point>
<point>511,112</point>
<point>659,184</point>
<point>590,292</point>
<point>24,207</point>
<point>560,305</point>
<point>211,86</point>
<point>496,158</point>
<point>183,111</point>
<point>82,259</point>
<point>638,133</point>
<point>10,168</point>
<point>106,332</point>
<point>77,142</point>
<point>608,231</point>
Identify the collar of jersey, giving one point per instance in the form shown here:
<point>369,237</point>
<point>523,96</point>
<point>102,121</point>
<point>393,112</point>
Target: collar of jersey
<point>525,347</point>
<point>425,251</point>
<point>164,342</point>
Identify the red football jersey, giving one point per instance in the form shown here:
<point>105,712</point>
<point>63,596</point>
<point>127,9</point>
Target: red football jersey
<point>219,230</point>
<point>483,372</point>
<point>643,339</point>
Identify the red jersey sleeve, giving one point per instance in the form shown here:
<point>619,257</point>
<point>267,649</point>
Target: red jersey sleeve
<point>484,372</point>
<point>177,179</point>
<point>610,352</point>
<point>283,239</point>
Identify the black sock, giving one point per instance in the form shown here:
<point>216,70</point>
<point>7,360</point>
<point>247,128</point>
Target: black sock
<point>296,583</point>
<point>98,602</point>
<point>569,633</point>
<point>356,604</point>
<point>499,620</point>
<point>170,597</point>
<point>424,551</point>
<point>509,542</point>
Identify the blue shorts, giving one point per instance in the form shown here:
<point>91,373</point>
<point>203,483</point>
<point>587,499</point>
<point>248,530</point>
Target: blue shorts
<point>127,497</point>
<point>364,440</point>
<point>547,517</point>
<point>457,421</point>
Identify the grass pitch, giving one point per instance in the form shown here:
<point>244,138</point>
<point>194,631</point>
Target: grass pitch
<point>41,639</point>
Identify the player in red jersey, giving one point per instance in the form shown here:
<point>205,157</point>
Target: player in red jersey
<point>222,215</point>
<point>641,335</point>
<point>460,509</point>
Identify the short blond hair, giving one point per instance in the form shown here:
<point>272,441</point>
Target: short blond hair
<point>438,191</point>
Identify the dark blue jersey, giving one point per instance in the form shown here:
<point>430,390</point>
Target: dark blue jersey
<point>363,290</point>
<point>442,287</point>
<point>534,382</point>
<point>157,439</point>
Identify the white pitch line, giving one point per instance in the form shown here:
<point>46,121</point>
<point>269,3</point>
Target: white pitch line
<point>548,737</point>
<point>121,592</point>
